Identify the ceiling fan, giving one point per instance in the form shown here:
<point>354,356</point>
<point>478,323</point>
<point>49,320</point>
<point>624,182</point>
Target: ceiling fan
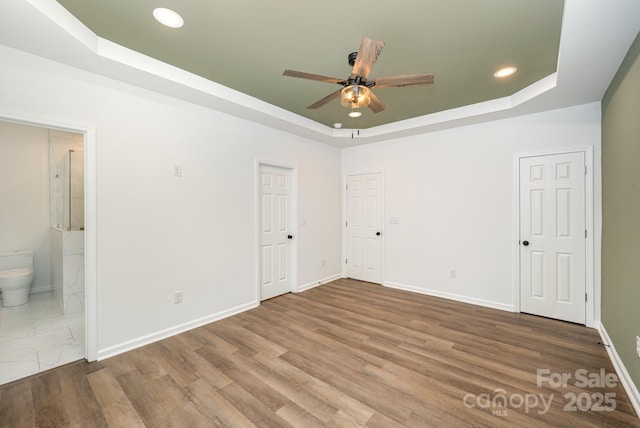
<point>356,90</point>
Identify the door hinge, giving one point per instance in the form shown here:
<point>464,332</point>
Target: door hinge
<point>347,186</point>
<point>346,223</point>
<point>345,261</point>
<point>585,297</point>
<point>585,233</point>
<point>585,170</point>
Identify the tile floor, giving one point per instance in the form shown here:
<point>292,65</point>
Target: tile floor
<point>36,336</point>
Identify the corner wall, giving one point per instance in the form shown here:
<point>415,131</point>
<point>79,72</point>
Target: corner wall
<point>621,211</point>
<point>454,195</point>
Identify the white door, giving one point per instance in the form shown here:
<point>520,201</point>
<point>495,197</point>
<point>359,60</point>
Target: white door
<point>275,232</point>
<point>364,227</point>
<point>553,236</point>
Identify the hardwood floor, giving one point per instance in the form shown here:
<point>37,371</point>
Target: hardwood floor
<point>345,354</point>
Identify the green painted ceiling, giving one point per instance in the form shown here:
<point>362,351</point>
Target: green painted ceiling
<point>246,44</point>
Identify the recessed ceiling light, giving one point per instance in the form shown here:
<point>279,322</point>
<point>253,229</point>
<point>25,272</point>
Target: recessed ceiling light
<point>168,17</point>
<point>337,125</point>
<point>505,72</point>
<point>355,114</point>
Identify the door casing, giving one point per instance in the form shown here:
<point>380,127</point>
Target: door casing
<point>345,215</point>
<point>293,211</point>
<point>90,217</point>
<point>592,305</point>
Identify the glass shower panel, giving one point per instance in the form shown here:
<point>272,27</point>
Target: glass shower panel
<point>76,190</point>
<point>71,207</point>
<point>66,160</point>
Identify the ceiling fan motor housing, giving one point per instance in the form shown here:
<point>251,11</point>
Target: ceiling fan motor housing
<point>358,80</point>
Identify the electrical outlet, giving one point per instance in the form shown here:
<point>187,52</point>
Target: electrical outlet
<point>177,170</point>
<point>177,297</point>
<point>638,345</point>
<point>453,274</point>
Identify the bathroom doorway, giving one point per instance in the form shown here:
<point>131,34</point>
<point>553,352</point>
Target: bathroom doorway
<point>42,191</point>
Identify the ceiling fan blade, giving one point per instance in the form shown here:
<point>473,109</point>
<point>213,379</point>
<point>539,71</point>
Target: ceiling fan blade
<point>405,80</point>
<point>309,76</point>
<point>375,105</point>
<point>325,100</point>
<point>367,55</point>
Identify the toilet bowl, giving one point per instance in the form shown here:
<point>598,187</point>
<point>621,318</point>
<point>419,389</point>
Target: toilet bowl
<point>16,275</point>
<point>15,285</point>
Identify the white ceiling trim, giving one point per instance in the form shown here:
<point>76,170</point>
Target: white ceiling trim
<point>595,37</point>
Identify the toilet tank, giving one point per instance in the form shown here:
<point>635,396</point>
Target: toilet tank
<point>16,259</point>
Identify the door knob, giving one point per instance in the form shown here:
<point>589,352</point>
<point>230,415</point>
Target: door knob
<point>378,233</point>
<point>525,243</point>
<point>289,236</point>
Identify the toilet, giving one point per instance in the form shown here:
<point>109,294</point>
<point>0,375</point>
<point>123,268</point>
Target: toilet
<point>16,276</point>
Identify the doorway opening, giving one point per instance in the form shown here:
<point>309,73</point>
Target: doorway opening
<point>58,323</point>
<point>555,236</point>
<point>277,232</point>
<point>364,221</point>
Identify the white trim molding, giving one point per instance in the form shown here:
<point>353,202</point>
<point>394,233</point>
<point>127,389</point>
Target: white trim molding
<point>450,296</point>
<point>313,284</point>
<point>172,331</point>
<point>590,29</point>
<point>90,216</point>
<point>41,289</point>
<point>345,215</point>
<point>592,282</point>
<point>627,383</point>
<point>294,213</point>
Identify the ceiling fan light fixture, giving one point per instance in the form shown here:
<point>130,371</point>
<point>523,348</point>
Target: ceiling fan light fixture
<point>505,72</point>
<point>355,114</point>
<point>356,96</point>
<point>168,17</point>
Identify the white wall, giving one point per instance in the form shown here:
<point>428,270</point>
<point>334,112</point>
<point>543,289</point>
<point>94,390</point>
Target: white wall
<point>156,233</point>
<point>454,195</point>
<point>452,191</point>
<point>24,196</point>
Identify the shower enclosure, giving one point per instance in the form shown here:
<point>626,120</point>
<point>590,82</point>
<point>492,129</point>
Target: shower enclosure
<point>69,191</point>
<point>67,219</point>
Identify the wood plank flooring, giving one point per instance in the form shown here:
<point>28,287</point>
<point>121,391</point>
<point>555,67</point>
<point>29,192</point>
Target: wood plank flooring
<point>345,354</point>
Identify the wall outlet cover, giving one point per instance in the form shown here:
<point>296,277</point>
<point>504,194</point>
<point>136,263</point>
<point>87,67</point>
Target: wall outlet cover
<point>177,297</point>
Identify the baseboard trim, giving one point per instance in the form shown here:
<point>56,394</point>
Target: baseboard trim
<point>313,284</point>
<point>621,370</point>
<point>163,334</point>
<point>40,289</point>
<point>451,296</point>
